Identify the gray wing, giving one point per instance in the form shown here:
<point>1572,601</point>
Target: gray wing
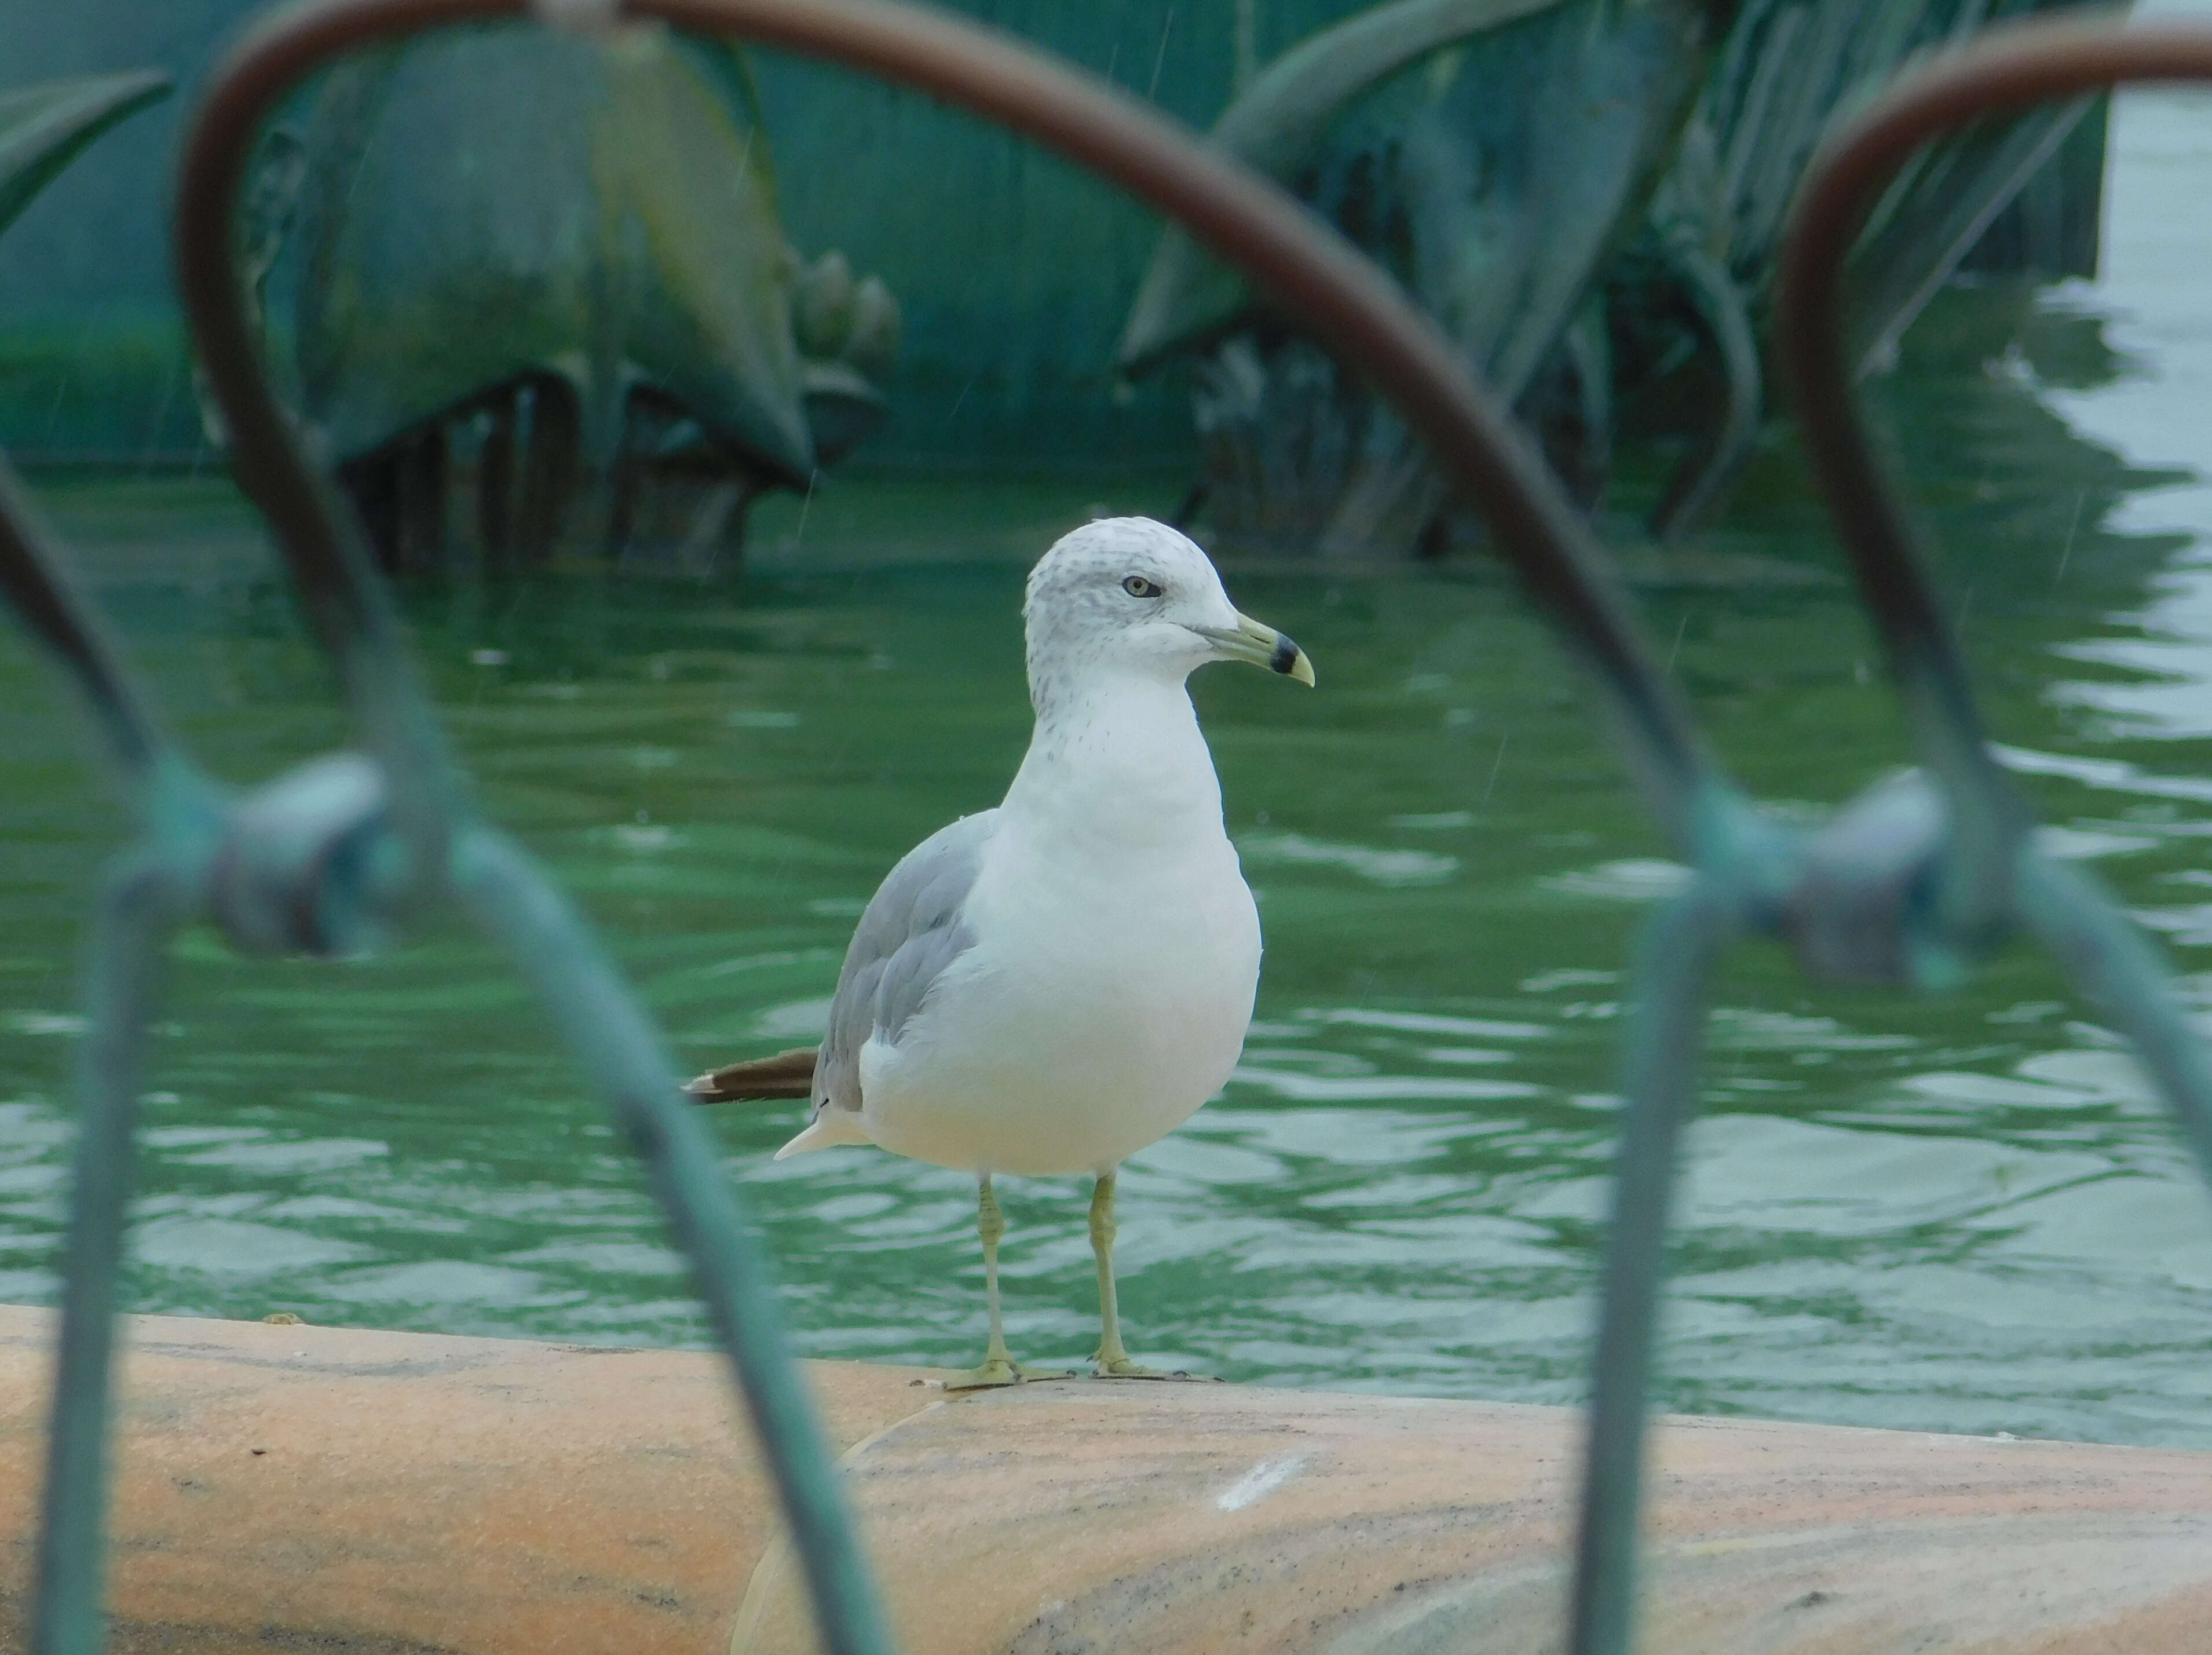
<point>912,930</point>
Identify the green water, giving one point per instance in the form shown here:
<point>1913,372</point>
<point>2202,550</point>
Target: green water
<point>1967,1213</point>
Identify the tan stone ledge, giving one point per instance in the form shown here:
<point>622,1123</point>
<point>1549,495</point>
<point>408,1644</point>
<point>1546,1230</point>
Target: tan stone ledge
<point>294,1487</point>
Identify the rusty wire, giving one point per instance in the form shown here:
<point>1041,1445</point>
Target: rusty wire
<point>2005,71</point>
<point>1334,292</point>
<point>1909,884</point>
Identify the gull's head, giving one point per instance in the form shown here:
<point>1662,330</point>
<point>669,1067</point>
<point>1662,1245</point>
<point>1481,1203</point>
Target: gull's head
<point>1125,594</point>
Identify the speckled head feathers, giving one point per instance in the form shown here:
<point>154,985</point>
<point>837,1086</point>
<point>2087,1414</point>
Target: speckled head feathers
<point>1125,594</point>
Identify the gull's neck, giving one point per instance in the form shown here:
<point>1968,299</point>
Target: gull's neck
<point>1116,760</point>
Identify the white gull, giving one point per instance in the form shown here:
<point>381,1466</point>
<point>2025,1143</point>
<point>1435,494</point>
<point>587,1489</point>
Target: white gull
<point>1049,986</point>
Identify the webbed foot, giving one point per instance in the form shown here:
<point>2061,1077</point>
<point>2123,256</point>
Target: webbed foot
<point>1123,1368</point>
<point>995,1371</point>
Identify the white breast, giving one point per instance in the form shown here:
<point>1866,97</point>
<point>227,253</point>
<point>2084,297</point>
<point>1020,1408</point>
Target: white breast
<point>1097,1016</point>
<point>1108,993</point>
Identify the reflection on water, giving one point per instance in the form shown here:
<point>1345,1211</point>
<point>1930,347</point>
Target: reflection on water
<point>1964,1214</point>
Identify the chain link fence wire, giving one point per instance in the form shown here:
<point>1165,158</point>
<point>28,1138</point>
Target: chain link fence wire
<point>1911,883</point>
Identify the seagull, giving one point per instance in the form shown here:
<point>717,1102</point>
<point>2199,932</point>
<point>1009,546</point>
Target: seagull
<point>1046,987</point>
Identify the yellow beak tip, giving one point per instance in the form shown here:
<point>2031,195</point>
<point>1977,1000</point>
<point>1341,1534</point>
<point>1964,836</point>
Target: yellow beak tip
<point>1262,646</point>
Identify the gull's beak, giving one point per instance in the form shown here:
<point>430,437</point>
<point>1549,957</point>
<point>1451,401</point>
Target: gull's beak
<point>1260,645</point>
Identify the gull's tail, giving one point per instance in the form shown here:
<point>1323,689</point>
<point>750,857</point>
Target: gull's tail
<point>759,1080</point>
<point>786,1074</point>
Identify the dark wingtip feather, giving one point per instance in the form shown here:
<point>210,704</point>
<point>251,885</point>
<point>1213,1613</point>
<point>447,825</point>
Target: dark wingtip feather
<point>759,1080</point>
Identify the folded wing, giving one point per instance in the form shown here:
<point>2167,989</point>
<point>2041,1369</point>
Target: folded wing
<point>911,931</point>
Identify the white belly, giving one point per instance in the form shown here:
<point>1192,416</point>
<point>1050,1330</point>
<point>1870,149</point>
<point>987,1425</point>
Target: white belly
<point>1101,1010</point>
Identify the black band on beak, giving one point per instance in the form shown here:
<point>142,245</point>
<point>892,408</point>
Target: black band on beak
<point>1285,656</point>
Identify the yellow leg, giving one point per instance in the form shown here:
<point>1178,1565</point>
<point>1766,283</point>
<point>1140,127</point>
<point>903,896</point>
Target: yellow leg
<point>999,1366</point>
<point>1112,1360</point>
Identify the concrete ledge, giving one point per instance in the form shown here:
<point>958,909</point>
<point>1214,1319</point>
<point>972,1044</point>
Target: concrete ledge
<point>415,1492</point>
<point>288,1487</point>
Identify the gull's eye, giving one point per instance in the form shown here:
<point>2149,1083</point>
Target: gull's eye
<point>1138,587</point>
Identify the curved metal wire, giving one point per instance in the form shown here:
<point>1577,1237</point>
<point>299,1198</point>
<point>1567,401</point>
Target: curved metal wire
<point>2007,70</point>
<point>1995,877</point>
<point>1853,897</point>
<point>1659,1052</point>
<point>138,915</point>
<point>1342,299</point>
<point>1915,880</point>
<point>1316,277</point>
